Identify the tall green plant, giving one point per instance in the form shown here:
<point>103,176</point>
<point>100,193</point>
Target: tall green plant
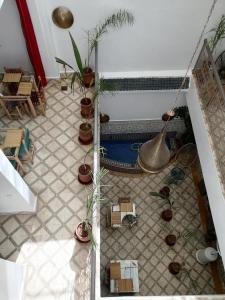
<point>116,20</point>
<point>94,197</point>
<point>219,34</point>
<point>77,74</point>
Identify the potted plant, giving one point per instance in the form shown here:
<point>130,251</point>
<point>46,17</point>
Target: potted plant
<point>219,34</point>
<point>174,268</point>
<point>77,76</point>
<point>182,112</point>
<point>85,133</point>
<point>84,170</point>
<point>115,21</point>
<point>83,231</point>
<point>164,193</point>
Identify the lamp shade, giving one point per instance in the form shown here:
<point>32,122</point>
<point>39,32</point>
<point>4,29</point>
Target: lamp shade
<point>154,155</point>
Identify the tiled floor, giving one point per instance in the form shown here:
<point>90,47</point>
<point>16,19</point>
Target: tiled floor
<point>145,242</point>
<point>57,265</point>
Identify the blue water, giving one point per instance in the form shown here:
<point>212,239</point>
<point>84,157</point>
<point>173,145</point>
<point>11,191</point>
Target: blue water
<point>125,151</point>
<point>120,150</point>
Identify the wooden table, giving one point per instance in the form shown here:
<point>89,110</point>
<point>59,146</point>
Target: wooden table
<point>124,276</point>
<point>23,94</point>
<point>119,211</point>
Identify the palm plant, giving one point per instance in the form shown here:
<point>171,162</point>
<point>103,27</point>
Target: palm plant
<point>219,34</point>
<point>84,229</point>
<point>116,20</point>
<point>77,75</point>
<point>164,193</point>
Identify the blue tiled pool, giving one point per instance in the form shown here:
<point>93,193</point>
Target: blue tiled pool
<point>125,151</point>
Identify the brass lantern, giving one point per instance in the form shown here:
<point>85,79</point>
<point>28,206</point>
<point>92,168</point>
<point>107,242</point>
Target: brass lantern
<point>62,17</point>
<point>154,155</point>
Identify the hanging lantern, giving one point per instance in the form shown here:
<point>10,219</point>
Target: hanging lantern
<point>62,17</point>
<point>154,155</point>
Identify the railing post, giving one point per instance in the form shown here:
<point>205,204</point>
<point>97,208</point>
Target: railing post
<point>96,168</point>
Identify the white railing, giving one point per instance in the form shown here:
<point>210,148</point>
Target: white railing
<point>95,255</point>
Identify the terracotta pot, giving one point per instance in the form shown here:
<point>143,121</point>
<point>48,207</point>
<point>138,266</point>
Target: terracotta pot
<point>84,174</point>
<point>170,239</point>
<point>167,215</point>
<point>222,73</point>
<point>81,234</point>
<point>165,191</point>
<point>86,108</point>
<point>104,118</point>
<point>88,77</point>
<point>168,116</point>
<point>85,134</point>
<point>174,268</point>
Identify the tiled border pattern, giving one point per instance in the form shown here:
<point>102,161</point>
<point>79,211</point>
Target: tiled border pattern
<point>146,83</point>
<point>141,126</point>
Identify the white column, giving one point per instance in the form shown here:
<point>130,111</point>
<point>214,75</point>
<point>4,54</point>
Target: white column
<point>15,195</point>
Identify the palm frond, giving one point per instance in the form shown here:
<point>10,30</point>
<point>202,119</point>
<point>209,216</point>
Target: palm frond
<point>62,62</point>
<point>116,20</point>
<point>219,34</point>
<point>76,54</point>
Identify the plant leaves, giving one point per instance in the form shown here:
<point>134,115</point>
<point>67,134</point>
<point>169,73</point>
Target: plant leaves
<point>62,62</point>
<point>77,55</point>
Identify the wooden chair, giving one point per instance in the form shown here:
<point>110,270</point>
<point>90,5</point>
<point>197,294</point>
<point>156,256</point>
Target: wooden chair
<point>14,70</point>
<point>38,96</point>
<point>27,148</point>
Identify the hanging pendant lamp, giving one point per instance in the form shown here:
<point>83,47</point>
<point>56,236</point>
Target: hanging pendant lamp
<point>154,155</point>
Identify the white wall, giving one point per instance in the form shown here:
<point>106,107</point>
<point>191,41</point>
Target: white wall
<point>13,52</point>
<point>162,38</point>
<point>139,105</point>
<point>15,195</point>
<point>209,169</point>
<point>11,280</point>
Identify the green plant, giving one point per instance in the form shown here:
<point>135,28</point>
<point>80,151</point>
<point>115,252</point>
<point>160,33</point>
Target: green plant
<point>186,273</point>
<point>100,150</point>
<point>165,197</point>
<point>219,34</point>
<point>183,113</point>
<point>116,20</point>
<point>77,75</point>
<point>93,197</point>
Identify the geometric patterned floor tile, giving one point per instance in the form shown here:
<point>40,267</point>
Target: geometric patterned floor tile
<point>57,266</point>
<point>145,242</point>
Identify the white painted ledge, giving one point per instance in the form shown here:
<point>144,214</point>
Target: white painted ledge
<point>143,74</point>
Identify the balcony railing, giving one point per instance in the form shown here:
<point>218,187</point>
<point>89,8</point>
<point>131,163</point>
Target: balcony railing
<point>212,98</point>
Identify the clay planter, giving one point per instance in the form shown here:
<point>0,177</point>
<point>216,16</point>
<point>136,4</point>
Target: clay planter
<point>81,234</point>
<point>88,77</point>
<point>84,174</point>
<point>85,134</point>
<point>167,215</point>
<point>86,108</point>
<point>165,191</point>
<point>170,239</point>
<point>104,118</point>
<point>168,116</point>
<point>174,268</point>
